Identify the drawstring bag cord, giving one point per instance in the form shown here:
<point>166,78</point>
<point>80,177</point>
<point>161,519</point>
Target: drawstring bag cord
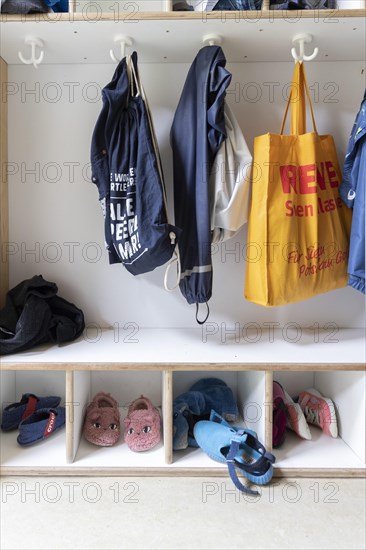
<point>169,266</point>
<point>135,81</point>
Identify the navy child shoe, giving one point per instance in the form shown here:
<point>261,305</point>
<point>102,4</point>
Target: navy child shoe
<point>15,413</point>
<point>40,425</point>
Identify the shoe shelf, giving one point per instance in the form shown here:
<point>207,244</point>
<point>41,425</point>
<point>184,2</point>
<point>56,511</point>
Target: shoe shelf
<point>162,373</point>
<point>319,457</point>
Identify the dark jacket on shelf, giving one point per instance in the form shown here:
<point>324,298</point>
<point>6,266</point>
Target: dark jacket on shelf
<point>34,314</point>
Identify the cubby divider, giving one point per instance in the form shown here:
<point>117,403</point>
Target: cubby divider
<point>70,420</point>
<point>167,413</point>
<point>79,383</point>
<point>268,410</point>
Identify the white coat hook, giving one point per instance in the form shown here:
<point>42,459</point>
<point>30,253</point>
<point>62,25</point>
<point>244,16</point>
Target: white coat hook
<point>301,40</point>
<point>212,40</point>
<point>123,41</point>
<point>34,60</point>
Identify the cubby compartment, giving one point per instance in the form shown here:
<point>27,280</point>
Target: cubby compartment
<point>249,391</point>
<point>347,391</point>
<point>49,453</point>
<point>124,387</point>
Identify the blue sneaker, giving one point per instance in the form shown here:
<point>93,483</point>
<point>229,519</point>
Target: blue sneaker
<point>41,425</point>
<point>15,413</point>
<point>238,448</point>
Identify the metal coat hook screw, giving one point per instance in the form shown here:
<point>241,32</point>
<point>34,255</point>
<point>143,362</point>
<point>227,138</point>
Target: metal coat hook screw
<point>34,60</point>
<point>123,41</point>
<point>301,40</point>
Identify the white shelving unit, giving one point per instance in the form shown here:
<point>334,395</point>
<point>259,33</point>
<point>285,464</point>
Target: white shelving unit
<point>163,364</point>
<point>127,348</point>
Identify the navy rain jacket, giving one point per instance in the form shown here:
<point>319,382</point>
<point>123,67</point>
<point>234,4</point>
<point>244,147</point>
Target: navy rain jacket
<point>197,133</point>
<point>352,191</point>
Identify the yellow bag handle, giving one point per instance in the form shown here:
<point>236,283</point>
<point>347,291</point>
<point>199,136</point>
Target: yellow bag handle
<point>298,106</point>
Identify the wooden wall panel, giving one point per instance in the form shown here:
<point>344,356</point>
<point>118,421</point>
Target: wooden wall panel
<point>4,226</point>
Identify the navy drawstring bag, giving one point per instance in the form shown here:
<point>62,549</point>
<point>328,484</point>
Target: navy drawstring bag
<point>126,169</point>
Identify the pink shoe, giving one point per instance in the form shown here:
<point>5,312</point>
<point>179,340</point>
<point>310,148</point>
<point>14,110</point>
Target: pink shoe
<point>319,411</point>
<point>296,420</point>
<point>102,421</point>
<point>142,425</point>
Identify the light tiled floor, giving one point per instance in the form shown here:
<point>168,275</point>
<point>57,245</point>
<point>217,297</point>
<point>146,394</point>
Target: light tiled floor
<point>190,513</point>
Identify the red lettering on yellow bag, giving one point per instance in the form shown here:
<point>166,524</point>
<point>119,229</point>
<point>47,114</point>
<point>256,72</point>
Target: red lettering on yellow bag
<point>306,179</point>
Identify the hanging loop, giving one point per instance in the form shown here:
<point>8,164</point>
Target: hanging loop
<point>207,314</point>
<point>301,40</point>
<point>34,60</point>
<point>212,40</point>
<point>123,41</point>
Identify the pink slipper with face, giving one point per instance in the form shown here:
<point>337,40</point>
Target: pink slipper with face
<point>102,421</point>
<point>296,420</point>
<point>142,425</point>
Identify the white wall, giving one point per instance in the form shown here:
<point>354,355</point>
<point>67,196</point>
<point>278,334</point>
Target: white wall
<point>53,127</point>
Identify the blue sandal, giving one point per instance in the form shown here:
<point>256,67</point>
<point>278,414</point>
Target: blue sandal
<point>216,417</point>
<point>238,447</point>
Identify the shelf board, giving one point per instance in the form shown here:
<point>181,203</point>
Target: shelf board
<point>90,456</point>
<point>207,348</point>
<point>47,454</point>
<point>176,39</point>
<point>130,14</point>
<point>322,453</point>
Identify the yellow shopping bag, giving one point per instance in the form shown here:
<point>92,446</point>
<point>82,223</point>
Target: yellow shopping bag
<point>298,236</point>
